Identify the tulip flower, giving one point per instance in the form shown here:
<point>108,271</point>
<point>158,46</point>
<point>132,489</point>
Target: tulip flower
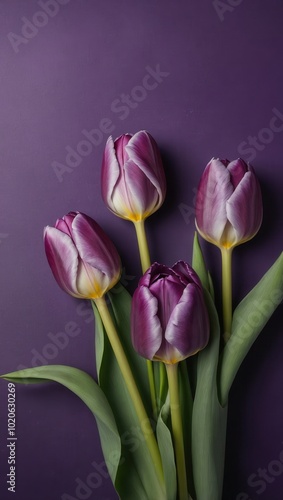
<point>169,322</point>
<point>133,181</point>
<point>228,213</point>
<point>133,187</point>
<point>84,261</point>
<point>228,203</point>
<point>169,318</point>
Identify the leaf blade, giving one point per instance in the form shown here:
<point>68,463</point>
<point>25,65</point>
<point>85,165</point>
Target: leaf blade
<point>85,387</point>
<point>261,301</point>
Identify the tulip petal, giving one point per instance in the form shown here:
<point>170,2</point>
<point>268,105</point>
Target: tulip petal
<point>142,195</point>
<point>146,330</point>
<point>214,190</point>
<point>186,273</point>
<point>244,208</point>
<point>237,169</point>
<point>167,291</point>
<point>188,327</point>
<point>144,152</point>
<point>65,224</point>
<point>91,282</point>
<point>63,259</point>
<point>120,148</point>
<point>110,173</point>
<point>95,248</point>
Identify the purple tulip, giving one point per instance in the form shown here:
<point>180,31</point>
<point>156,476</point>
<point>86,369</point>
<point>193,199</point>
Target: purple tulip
<point>228,203</point>
<point>133,181</point>
<point>169,320</point>
<point>84,261</point>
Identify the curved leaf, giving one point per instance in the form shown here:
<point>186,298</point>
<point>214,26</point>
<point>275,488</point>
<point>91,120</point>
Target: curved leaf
<point>165,444</point>
<point>209,419</point>
<point>198,263</point>
<point>83,385</point>
<point>249,318</point>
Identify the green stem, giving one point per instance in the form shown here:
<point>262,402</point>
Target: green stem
<point>226,254</point>
<point>151,382</point>
<point>143,246</point>
<point>145,264</point>
<point>177,429</point>
<point>131,386</point>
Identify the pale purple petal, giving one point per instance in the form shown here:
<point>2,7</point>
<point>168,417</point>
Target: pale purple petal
<point>244,208</point>
<point>91,282</point>
<point>214,190</point>
<point>94,246</point>
<point>237,169</point>
<point>62,256</point>
<point>65,224</point>
<point>134,197</point>
<point>142,194</point>
<point>120,148</point>
<point>110,173</point>
<point>188,326</point>
<point>146,330</point>
<point>143,150</point>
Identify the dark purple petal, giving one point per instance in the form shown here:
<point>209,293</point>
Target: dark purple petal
<point>62,257</point>
<point>244,208</point>
<point>154,272</point>
<point>167,291</point>
<point>146,331</point>
<point>188,326</point>
<point>214,190</point>
<point>186,273</point>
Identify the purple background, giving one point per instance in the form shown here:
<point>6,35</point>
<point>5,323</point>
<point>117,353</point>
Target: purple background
<point>222,80</point>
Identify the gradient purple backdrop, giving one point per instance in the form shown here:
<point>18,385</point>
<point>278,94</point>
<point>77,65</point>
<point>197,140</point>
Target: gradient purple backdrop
<point>215,86</point>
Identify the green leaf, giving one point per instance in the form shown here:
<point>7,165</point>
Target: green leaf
<point>186,402</point>
<point>83,385</point>
<point>249,318</point>
<point>165,444</point>
<point>210,286</point>
<point>136,475</point>
<point>209,418</point>
<point>198,263</point>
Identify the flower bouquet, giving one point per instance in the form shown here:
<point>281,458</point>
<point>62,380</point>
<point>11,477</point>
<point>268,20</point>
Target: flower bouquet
<point>166,358</point>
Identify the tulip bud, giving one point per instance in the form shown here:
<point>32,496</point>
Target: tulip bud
<point>228,203</point>
<point>169,320</point>
<point>84,261</point>
<point>133,181</point>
